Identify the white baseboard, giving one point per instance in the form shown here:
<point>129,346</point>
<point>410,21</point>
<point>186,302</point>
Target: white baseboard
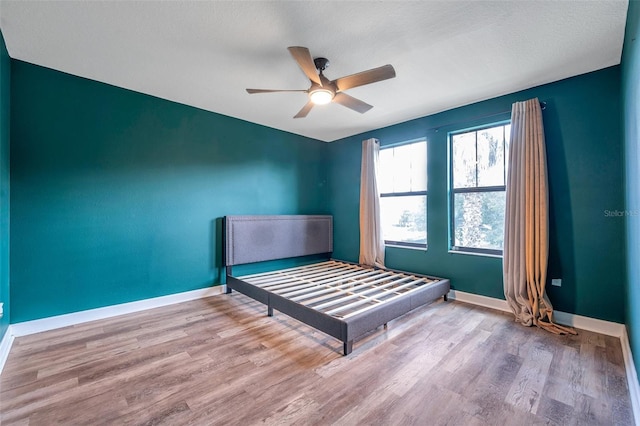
<point>591,324</point>
<point>632,375</point>
<point>59,321</point>
<point>476,299</point>
<point>5,346</point>
<point>572,320</point>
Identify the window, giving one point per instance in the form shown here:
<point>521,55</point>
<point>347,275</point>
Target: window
<point>403,194</point>
<point>478,177</point>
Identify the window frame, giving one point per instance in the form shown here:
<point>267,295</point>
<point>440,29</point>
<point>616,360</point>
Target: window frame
<point>477,189</point>
<point>405,244</point>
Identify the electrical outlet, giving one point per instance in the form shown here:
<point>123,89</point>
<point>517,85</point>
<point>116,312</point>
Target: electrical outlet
<point>557,282</point>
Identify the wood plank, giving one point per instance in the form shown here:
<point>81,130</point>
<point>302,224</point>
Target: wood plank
<point>526,390</point>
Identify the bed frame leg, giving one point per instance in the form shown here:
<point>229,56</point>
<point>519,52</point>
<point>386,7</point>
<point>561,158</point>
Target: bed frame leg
<point>269,311</point>
<point>347,347</point>
<point>229,271</point>
<point>446,297</point>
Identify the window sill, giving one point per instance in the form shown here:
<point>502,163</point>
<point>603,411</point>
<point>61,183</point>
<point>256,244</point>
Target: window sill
<point>473,253</point>
<point>405,247</point>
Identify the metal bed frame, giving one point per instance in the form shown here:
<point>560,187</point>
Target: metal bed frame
<point>342,299</point>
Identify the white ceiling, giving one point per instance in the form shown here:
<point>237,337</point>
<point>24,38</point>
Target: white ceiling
<point>446,53</point>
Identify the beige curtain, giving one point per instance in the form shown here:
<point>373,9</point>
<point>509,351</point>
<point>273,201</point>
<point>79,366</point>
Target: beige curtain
<point>526,231</point>
<point>371,239</point>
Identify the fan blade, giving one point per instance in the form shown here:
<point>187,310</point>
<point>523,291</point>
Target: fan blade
<point>304,111</point>
<point>351,102</point>
<point>365,77</point>
<point>252,91</point>
<point>305,61</point>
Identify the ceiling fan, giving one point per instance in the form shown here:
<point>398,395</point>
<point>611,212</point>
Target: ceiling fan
<point>323,90</point>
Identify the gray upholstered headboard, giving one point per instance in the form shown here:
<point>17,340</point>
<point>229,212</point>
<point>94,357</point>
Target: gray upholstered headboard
<point>250,239</point>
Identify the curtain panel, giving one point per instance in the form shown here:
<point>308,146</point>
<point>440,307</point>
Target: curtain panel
<point>371,239</point>
<point>526,231</point>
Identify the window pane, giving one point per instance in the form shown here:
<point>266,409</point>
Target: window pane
<point>404,218</point>
<point>402,156</point>
<point>403,168</point>
<point>491,157</point>
<point>385,171</point>
<point>479,220</point>
<point>418,166</point>
<point>463,151</point>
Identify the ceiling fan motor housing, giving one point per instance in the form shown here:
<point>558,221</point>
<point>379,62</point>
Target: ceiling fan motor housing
<point>321,64</point>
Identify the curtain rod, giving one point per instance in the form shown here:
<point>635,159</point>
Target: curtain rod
<point>543,106</point>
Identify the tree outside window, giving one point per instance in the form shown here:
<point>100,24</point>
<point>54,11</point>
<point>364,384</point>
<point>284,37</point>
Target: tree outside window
<point>478,177</point>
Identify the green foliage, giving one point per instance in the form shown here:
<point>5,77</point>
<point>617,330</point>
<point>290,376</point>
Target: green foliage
<point>478,161</point>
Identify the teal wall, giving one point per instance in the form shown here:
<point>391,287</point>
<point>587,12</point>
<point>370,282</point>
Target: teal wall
<point>584,148</point>
<point>5,84</point>
<point>116,196</point>
<point>631,105</point>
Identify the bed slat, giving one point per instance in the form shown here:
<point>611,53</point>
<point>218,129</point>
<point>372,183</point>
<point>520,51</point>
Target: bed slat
<point>365,286</point>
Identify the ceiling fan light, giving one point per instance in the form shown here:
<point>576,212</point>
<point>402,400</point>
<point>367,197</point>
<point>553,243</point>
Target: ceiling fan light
<point>321,96</point>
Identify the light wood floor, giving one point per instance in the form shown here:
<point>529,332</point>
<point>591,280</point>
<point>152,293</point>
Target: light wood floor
<point>220,360</point>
